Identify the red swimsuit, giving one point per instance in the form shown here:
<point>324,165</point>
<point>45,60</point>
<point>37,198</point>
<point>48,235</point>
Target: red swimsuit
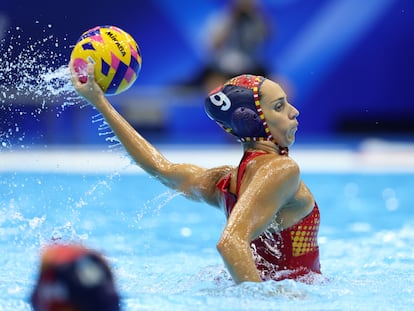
<point>288,254</point>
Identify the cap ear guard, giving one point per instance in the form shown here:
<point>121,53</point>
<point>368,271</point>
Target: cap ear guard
<point>91,284</point>
<point>246,122</point>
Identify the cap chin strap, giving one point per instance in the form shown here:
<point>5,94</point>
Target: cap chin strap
<point>282,150</point>
<point>269,137</point>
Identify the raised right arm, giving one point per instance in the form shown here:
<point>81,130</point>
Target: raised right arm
<point>195,182</point>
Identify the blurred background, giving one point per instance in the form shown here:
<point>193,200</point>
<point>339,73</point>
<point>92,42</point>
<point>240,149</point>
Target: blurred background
<point>347,65</point>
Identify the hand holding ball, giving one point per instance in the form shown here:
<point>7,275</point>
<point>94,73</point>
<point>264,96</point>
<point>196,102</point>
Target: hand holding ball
<point>115,55</point>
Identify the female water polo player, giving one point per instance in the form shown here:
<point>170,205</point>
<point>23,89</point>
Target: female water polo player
<point>272,217</point>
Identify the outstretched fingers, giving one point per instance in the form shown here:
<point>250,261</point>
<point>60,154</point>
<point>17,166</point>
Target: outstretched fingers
<point>73,74</point>
<point>90,70</point>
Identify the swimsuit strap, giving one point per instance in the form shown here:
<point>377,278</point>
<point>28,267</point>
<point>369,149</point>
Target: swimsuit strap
<point>247,157</point>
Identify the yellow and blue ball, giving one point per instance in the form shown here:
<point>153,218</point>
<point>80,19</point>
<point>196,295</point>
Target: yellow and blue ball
<point>115,54</point>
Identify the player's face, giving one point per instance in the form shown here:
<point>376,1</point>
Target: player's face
<point>279,114</point>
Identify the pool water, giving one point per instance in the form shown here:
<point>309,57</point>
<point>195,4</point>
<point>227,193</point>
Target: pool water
<point>162,246</point>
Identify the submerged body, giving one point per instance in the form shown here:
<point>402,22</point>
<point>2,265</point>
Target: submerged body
<point>287,254</point>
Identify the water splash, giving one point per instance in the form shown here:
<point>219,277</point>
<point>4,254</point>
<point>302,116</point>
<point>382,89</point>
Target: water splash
<point>34,79</point>
<point>33,71</point>
<point>105,130</point>
<point>154,205</point>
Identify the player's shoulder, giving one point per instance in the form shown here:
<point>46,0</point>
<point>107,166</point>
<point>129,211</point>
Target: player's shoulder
<point>275,164</point>
<point>276,160</point>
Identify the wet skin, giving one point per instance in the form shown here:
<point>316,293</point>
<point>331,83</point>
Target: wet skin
<point>272,195</point>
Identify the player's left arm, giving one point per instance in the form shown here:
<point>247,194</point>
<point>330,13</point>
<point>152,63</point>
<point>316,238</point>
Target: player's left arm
<point>262,196</point>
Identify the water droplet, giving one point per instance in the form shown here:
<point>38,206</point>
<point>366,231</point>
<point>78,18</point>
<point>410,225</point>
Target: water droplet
<point>32,76</point>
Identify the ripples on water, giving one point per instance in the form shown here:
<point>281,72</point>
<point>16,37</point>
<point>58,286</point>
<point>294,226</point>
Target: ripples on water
<point>162,247</point>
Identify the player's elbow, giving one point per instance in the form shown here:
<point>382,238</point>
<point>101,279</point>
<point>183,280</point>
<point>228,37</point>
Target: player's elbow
<point>229,246</point>
<point>221,247</point>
